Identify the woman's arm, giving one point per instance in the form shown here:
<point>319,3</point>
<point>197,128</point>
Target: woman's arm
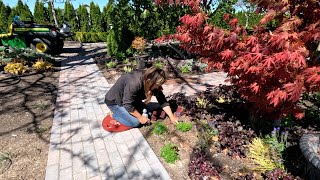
<point>173,118</point>
<point>141,118</point>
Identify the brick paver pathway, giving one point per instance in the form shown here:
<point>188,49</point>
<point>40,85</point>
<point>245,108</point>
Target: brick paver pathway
<point>79,147</point>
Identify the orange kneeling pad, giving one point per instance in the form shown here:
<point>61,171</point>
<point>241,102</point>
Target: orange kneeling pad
<point>112,125</point>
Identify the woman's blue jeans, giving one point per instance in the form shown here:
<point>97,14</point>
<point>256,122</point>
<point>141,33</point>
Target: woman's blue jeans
<point>120,114</point>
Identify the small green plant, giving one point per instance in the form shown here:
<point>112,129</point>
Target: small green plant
<point>111,64</point>
<point>206,134</point>
<point>185,68</point>
<point>169,153</point>
<point>40,130</point>
<point>277,142</point>
<point>134,62</point>
<point>184,126</point>
<point>126,61</point>
<point>202,66</point>
<point>159,64</point>
<point>5,157</point>
<point>127,69</point>
<point>202,103</point>
<point>42,106</point>
<point>159,128</point>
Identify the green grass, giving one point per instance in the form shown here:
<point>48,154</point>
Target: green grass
<point>159,128</point>
<point>184,126</point>
<point>169,153</point>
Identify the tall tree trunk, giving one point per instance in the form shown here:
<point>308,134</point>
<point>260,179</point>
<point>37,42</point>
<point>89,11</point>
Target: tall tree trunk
<point>247,19</point>
<point>54,14</point>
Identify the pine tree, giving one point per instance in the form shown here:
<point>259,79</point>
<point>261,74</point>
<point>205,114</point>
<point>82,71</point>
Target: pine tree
<point>59,14</point>
<point>83,18</point>
<point>70,15</point>
<point>12,14</point>
<point>95,17</point>
<point>23,11</point>
<point>3,16</point>
<point>41,15</point>
<point>104,15</point>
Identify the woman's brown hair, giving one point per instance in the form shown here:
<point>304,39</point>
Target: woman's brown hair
<point>153,79</point>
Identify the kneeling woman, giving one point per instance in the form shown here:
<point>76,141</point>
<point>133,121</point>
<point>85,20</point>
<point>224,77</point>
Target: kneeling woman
<point>132,91</point>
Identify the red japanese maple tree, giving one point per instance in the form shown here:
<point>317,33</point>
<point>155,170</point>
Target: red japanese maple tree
<point>270,68</point>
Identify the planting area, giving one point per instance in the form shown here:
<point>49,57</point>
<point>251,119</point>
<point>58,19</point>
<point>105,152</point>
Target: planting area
<point>223,141</point>
<point>26,113</point>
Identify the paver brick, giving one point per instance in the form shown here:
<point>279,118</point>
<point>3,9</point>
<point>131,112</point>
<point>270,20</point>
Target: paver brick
<point>103,157</point>
<point>80,176</point>
<point>115,159</point>
<point>145,168</point>
<point>96,178</point>
<point>52,172</point>
<point>88,150</point>
<point>53,155</point>
<point>120,173</point>
<point>65,158</point>
<point>123,149</point>
<point>111,146</point>
<point>66,174</point>
<point>106,172</point>
<point>151,157</point>
<point>160,171</point>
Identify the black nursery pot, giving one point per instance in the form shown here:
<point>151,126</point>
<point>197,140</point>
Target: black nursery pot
<point>309,145</point>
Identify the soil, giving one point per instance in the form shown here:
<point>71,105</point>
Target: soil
<point>185,141</point>
<point>26,114</point>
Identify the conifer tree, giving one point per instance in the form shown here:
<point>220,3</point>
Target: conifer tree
<point>59,14</point>
<point>23,11</point>
<point>83,18</point>
<point>95,17</point>
<point>104,16</point>
<point>12,14</point>
<point>41,15</point>
<point>3,16</point>
<point>70,15</point>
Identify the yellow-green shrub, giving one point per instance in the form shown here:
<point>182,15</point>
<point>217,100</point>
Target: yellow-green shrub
<point>90,37</point>
<point>41,65</point>
<point>15,68</point>
<point>261,154</point>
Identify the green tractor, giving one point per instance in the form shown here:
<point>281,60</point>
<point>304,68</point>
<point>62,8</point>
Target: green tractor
<point>41,38</point>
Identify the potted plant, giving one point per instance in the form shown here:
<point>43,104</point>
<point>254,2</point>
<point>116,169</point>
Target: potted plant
<point>139,44</point>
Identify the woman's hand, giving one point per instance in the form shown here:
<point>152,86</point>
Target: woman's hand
<point>174,119</point>
<point>143,119</point>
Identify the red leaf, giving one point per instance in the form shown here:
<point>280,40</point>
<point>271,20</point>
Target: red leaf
<point>226,17</point>
<point>255,87</point>
<point>252,41</point>
<point>299,115</point>
<point>277,96</point>
<point>257,58</point>
<point>268,62</point>
<point>294,90</point>
<point>233,22</point>
<point>227,54</point>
